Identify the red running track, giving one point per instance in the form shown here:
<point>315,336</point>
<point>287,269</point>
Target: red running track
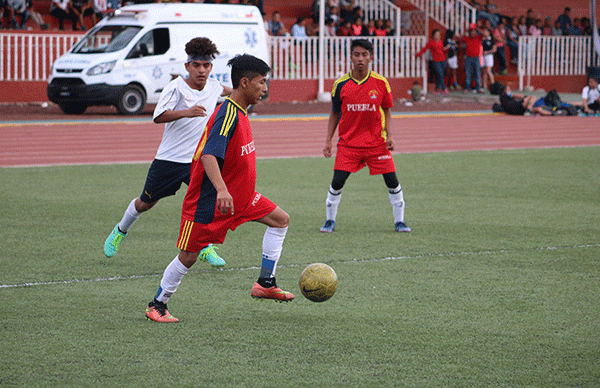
<point>128,142</point>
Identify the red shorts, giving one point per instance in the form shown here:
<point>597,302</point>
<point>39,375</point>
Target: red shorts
<point>193,236</point>
<point>353,159</point>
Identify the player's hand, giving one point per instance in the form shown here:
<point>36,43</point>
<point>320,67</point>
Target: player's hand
<point>327,149</point>
<point>389,143</point>
<point>224,202</point>
<point>196,111</point>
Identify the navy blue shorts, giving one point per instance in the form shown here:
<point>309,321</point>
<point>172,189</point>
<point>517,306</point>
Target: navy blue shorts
<point>164,179</point>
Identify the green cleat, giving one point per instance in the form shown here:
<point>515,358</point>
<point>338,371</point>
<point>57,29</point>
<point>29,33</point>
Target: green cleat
<point>113,242</point>
<point>209,254</point>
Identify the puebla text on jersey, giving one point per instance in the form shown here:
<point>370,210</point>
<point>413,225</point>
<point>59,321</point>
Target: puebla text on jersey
<point>228,137</point>
<point>361,104</point>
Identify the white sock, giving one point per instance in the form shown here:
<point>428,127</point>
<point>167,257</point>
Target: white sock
<point>397,201</point>
<point>332,202</point>
<point>272,246</point>
<point>171,280</point>
<point>131,215</point>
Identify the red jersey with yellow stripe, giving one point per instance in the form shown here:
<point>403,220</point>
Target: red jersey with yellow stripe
<point>361,104</point>
<point>229,138</point>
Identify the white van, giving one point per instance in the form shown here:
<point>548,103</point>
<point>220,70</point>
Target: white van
<point>128,58</point>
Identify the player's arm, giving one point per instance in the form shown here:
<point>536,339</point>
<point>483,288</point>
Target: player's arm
<point>388,117</point>
<point>212,170</point>
<point>172,115</point>
<point>334,118</point>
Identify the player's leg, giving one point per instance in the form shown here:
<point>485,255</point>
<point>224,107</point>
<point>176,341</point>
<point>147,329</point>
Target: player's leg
<point>174,273</point>
<point>277,222</point>
<point>396,200</point>
<point>334,196</point>
<point>164,179</point>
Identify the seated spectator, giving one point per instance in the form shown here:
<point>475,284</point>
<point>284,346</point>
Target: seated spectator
<point>380,28</point>
<point>371,28</point>
<point>536,28</point>
<point>565,20</point>
<point>547,28</point>
<point>523,29</point>
<point>299,29</point>
<point>345,29</point>
<point>63,9</point>
<point>591,96</point>
<point>346,7</point>
<point>18,8</point>
<point>333,13</point>
<point>586,28</point>
<point>36,16</point>
<point>519,104</point>
<point>330,28</point>
<point>575,30</point>
<point>390,30</point>
<point>82,9</point>
<point>100,10</point>
<point>556,30</point>
<point>312,27</point>
<point>275,27</point>
<point>358,28</point>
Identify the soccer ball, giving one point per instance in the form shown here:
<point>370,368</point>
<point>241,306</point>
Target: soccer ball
<point>318,282</point>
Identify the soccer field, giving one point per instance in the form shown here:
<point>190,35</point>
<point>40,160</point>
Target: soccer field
<point>497,285</point>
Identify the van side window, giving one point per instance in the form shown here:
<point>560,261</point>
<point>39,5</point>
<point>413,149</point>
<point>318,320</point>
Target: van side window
<point>155,42</point>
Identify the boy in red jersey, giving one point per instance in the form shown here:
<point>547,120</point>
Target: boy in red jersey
<point>361,102</point>
<point>472,65</point>
<point>223,178</point>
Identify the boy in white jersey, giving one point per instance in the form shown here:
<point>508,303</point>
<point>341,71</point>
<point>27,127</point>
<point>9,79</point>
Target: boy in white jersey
<point>185,106</point>
<point>591,96</point>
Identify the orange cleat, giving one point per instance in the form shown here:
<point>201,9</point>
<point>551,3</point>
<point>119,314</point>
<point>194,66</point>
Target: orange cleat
<point>157,311</point>
<point>273,292</point>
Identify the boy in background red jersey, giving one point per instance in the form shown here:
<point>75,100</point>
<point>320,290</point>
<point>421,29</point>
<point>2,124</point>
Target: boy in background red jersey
<point>223,179</point>
<point>361,102</point>
<point>438,59</point>
<point>472,64</point>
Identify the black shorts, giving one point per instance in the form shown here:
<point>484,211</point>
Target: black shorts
<point>594,106</point>
<point>164,179</point>
<point>515,108</point>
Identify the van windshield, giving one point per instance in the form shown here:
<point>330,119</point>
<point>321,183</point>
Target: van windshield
<point>106,39</point>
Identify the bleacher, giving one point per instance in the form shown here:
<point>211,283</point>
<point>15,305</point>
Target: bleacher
<point>291,9</point>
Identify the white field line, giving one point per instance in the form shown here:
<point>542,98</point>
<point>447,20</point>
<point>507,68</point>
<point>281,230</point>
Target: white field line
<point>423,256</point>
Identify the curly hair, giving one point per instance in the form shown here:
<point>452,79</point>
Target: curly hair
<point>201,47</point>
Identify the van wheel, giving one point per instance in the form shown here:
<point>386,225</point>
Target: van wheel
<point>73,109</point>
<point>132,100</point>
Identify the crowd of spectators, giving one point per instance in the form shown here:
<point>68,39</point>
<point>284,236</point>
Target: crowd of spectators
<point>80,13</point>
<point>342,18</point>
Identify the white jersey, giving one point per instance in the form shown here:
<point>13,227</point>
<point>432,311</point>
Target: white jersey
<point>590,95</point>
<point>181,137</point>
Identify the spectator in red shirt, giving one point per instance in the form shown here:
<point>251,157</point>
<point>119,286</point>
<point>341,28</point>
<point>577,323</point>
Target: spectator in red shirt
<point>380,28</point>
<point>472,64</point>
<point>358,28</point>
<point>345,29</point>
<point>438,59</point>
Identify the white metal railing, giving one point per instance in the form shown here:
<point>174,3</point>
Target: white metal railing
<point>381,9</point>
<point>451,14</point>
<point>29,56</point>
<point>297,58</point>
<point>554,56</point>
